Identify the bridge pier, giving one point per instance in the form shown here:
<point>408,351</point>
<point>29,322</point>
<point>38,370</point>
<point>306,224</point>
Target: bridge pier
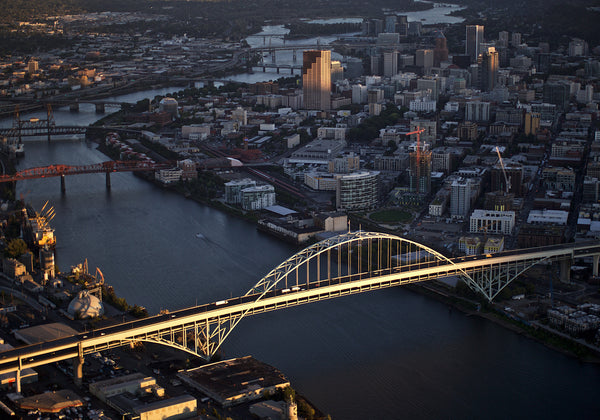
<point>63,188</point>
<point>294,56</point>
<point>277,70</point>
<point>100,108</point>
<point>78,370</point>
<point>108,180</point>
<point>74,107</point>
<point>18,378</point>
<point>264,69</point>
<point>565,270</point>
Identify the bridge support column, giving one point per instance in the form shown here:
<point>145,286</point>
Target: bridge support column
<point>108,180</point>
<point>596,259</point>
<point>294,56</point>
<point>264,69</point>
<point>277,70</point>
<point>565,270</point>
<point>78,370</point>
<point>74,107</point>
<point>18,378</point>
<point>63,188</point>
<point>100,109</point>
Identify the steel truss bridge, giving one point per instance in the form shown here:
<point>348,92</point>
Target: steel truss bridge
<point>41,129</point>
<point>104,167</point>
<point>351,263</point>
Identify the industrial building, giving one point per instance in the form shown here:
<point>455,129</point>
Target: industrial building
<point>235,381</point>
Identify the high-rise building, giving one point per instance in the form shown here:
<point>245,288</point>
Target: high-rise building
<point>557,94</point>
<point>390,63</point>
<point>337,71</point>
<point>477,111</point>
<point>440,52</point>
<point>515,39</point>
<point>474,37</point>
<point>489,69</point>
<point>424,59</point>
<point>32,66</point>
<point>532,123</point>
<point>390,23</point>
<point>460,198</point>
<point>402,25</point>
<point>512,172</point>
<point>316,79</point>
<point>502,39</point>
<point>419,171</point>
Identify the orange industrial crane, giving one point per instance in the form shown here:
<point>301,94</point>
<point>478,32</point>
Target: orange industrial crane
<point>418,132</point>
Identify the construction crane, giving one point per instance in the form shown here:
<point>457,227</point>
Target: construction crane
<point>506,177</point>
<point>418,132</point>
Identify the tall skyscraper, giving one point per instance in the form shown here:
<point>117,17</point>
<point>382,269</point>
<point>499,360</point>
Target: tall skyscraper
<point>390,23</point>
<point>316,79</point>
<point>440,52</point>
<point>424,59</point>
<point>390,63</point>
<point>489,69</point>
<point>474,37</point>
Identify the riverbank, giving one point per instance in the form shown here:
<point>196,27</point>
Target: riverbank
<point>563,344</point>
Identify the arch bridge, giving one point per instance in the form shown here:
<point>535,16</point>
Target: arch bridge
<point>351,263</point>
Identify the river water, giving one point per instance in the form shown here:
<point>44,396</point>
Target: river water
<point>382,355</point>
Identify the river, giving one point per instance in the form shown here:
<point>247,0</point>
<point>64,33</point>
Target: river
<point>381,355</point>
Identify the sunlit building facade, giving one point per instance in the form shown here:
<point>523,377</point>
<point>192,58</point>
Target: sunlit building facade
<point>316,79</point>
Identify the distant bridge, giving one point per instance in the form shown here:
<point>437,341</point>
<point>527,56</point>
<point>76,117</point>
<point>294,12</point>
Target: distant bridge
<point>104,167</point>
<point>108,167</point>
<point>351,263</point>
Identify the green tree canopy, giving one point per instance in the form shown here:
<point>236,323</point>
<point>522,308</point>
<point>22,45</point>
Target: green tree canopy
<point>15,248</point>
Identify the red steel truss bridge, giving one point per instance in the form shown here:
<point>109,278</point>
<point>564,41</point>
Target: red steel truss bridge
<point>104,167</point>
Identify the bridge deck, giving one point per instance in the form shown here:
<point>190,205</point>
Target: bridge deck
<point>182,320</point>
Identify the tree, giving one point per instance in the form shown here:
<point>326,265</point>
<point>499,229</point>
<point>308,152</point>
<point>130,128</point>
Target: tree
<point>16,248</point>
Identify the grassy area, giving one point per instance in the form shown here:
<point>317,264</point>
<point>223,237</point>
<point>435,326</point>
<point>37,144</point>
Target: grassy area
<point>391,216</point>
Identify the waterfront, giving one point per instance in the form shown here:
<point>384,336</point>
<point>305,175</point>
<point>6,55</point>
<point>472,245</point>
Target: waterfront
<point>376,355</point>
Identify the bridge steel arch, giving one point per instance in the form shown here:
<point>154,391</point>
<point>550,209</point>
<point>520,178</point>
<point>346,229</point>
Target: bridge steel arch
<point>354,262</point>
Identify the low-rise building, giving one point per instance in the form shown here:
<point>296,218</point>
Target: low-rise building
<point>470,245</point>
<point>258,197</point>
<point>235,381</point>
<point>492,222</point>
<point>548,217</point>
<point>168,176</point>
<point>233,189</point>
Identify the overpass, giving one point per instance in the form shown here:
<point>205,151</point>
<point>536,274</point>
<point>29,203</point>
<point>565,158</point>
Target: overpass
<point>351,263</point>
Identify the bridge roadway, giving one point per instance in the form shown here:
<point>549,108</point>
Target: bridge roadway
<point>164,325</point>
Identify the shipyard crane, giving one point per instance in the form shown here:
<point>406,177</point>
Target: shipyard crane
<point>506,177</point>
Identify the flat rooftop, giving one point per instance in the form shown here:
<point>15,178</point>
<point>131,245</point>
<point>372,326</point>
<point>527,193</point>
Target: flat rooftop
<point>235,380</point>
<point>51,402</point>
<point>43,333</point>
